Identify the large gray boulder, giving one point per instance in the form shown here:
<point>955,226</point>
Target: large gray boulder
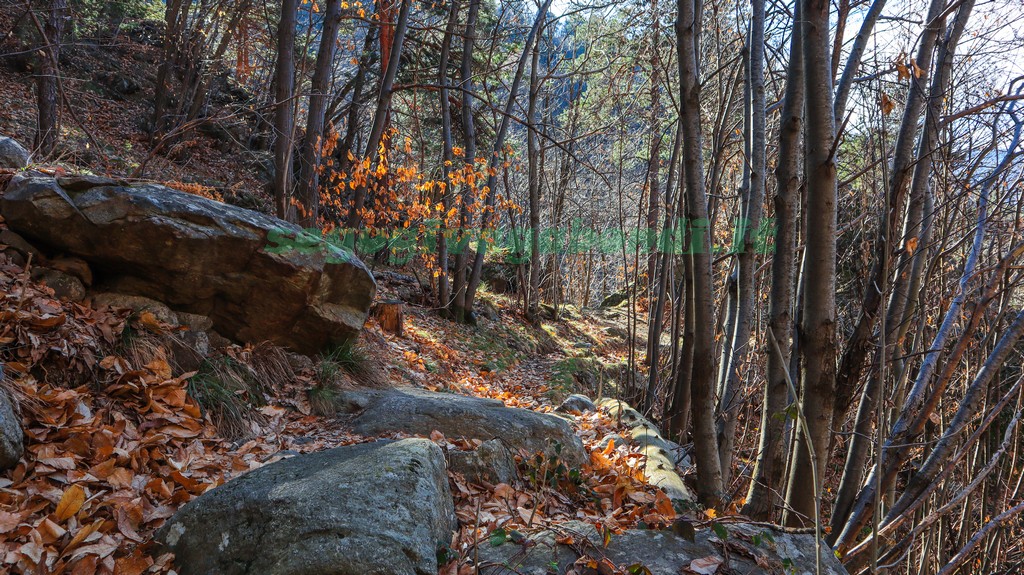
<point>12,154</point>
<point>258,278</point>
<point>11,443</point>
<point>420,412</point>
<point>746,548</point>
<point>378,508</point>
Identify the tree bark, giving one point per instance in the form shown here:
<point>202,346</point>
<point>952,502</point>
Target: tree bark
<point>818,326</point>
<point>311,149</point>
<point>858,344</point>
<point>534,176</point>
<point>458,308</point>
<point>447,157</point>
<point>48,129</point>
<point>284,112</point>
<point>909,422</point>
<point>752,203</point>
<point>702,379</point>
<point>766,483</point>
<point>466,311</point>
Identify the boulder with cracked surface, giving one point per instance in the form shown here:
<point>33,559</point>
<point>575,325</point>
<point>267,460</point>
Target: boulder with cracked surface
<point>373,508</point>
<point>256,277</point>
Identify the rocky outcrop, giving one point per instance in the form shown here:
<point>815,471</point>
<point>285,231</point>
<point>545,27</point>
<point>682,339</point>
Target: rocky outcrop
<point>11,442</point>
<point>378,411</point>
<point>13,155</point>
<point>256,277</point>
<point>374,508</point>
<point>746,548</point>
<point>614,300</point>
<point>663,456</point>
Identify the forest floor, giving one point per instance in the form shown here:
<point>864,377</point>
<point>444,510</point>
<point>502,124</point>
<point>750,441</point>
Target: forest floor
<point>116,442</point>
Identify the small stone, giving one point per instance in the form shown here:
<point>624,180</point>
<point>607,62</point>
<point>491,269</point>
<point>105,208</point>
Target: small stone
<point>576,403</point>
<point>65,286</point>
<point>73,266</point>
<point>614,300</point>
<point>299,362</point>
<point>491,462</point>
<point>137,304</point>
<point>13,155</point>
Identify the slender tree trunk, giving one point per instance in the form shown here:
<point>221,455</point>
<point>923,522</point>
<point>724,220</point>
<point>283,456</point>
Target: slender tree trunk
<point>284,116</point>
<point>447,157</point>
<point>461,279</point>
<point>908,270</point>
<point>860,43</point>
<point>818,327</point>
<point>311,149</point>
<point>702,379</point>
<point>909,422</point>
<point>667,254</point>
<point>752,203</point>
<point>653,209</point>
<point>48,129</point>
<point>766,483</point>
<point>495,160</point>
<point>858,344</point>
<point>534,168</point>
<point>173,16</point>
<point>383,111</point>
<point>199,95</point>
<point>346,149</point>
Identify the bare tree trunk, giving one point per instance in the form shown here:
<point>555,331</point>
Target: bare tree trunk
<point>383,111</point>
<point>203,82</point>
<point>702,379</point>
<point>48,129</point>
<point>447,157</point>
<point>818,324</point>
<point>653,208</point>
<point>310,151</point>
<point>347,146</point>
<point>173,20</point>
<point>858,344</point>
<point>766,482</point>
<point>908,268</point>
<point>752,203</point>
<point>860,43</point>
<point>663,293</point>
<point>461,279</point>
<point>284,117</point>
<point>908,423</point>
<point>534,168</point>
<point>466,312</point>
